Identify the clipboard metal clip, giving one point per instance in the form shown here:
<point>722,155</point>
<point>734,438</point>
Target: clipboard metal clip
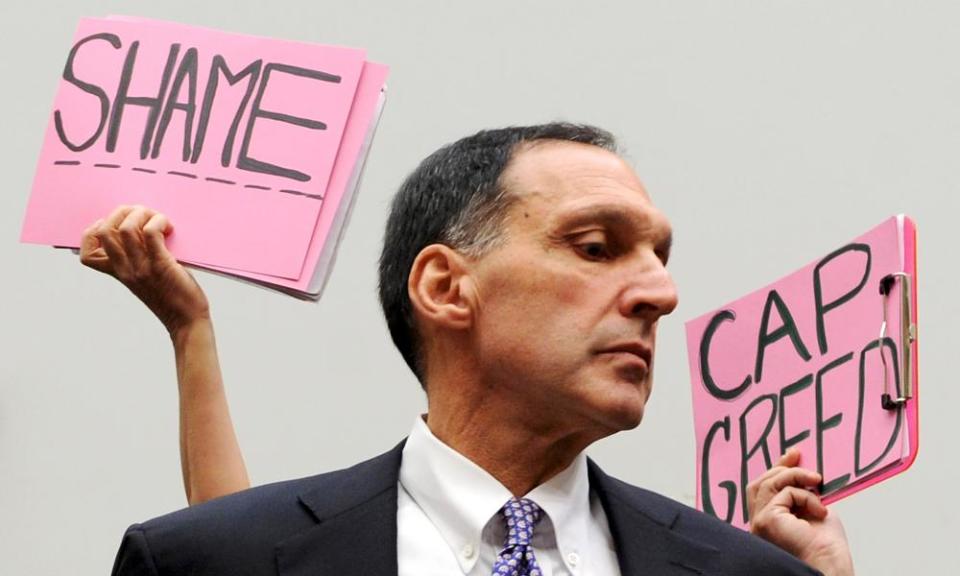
<point>908,334</point>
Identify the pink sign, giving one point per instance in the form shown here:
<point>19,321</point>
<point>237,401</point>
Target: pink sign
<point>806,362</point>
<point>362,116</point>
<point>233,137</point>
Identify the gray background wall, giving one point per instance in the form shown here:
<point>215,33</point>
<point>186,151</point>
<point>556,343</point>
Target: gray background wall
<point>769,131</point>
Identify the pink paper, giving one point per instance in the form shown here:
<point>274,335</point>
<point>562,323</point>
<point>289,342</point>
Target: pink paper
<point>372,81</point>
<point>817,384</point>
<point>258,212</point>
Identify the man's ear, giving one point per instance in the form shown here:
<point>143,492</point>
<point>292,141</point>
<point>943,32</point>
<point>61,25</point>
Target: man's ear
<point>441,288</point>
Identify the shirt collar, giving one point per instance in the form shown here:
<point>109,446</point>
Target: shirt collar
<point>566,500</point>
<point>460,497</point>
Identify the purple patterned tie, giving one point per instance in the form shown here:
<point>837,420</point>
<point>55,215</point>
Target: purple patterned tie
<point>516,558</point>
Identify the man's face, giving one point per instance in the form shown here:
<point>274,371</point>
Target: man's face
<point>568,304</point>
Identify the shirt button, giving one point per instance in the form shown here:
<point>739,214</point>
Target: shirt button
<point>573,558</point>
<point>468,551</point>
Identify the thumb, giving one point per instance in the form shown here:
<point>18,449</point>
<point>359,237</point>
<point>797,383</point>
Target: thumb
<point>155,231</point>
<point>91,251</point>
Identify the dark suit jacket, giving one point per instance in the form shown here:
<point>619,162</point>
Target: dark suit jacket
<point>345,522</point>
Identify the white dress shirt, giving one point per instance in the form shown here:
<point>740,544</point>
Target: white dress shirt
<point>448,521</point>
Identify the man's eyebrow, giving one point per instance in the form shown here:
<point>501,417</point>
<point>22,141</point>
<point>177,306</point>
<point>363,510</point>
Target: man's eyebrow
<point>615,216</point>
<point>610,215</point>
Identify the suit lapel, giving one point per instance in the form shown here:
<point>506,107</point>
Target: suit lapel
<point>643,534</point>
<point>356,530</point>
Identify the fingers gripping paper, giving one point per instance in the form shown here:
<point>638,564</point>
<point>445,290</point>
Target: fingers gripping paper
<point>234,137</point>
<point>806,362</point>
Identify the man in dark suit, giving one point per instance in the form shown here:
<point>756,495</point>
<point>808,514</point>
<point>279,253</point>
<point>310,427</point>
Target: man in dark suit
<point>522,277</point>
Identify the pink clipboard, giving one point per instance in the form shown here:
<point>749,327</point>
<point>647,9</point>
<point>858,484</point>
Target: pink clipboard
<point>824,360</point>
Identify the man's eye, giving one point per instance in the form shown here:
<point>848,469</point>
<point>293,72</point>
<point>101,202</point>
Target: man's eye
<point>594,250</point>
<point>663,255</point>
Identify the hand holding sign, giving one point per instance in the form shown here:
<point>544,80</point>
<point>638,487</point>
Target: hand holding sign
<point>130,246</point>
<point>785,511</point>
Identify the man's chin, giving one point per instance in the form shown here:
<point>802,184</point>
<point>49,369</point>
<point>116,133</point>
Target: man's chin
<point>626,411</point>
<point>627,420</point>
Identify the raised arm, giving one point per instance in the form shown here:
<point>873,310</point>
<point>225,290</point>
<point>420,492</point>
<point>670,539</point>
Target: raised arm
<point>130,246</point>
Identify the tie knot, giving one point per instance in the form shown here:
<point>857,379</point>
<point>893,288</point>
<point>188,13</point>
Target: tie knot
<point>521,515</point>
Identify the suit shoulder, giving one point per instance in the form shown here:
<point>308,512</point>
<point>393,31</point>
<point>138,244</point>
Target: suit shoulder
<point>740,551</point>
<point>276,501</point>
<point>243,529</point>
<point>751,554</point>
<point>217,536</point>
<point>279,498</point>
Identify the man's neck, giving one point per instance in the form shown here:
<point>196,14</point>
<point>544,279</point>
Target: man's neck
<point>499,441</point>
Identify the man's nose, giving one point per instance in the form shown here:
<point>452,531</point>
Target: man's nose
<point>650,293</point>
